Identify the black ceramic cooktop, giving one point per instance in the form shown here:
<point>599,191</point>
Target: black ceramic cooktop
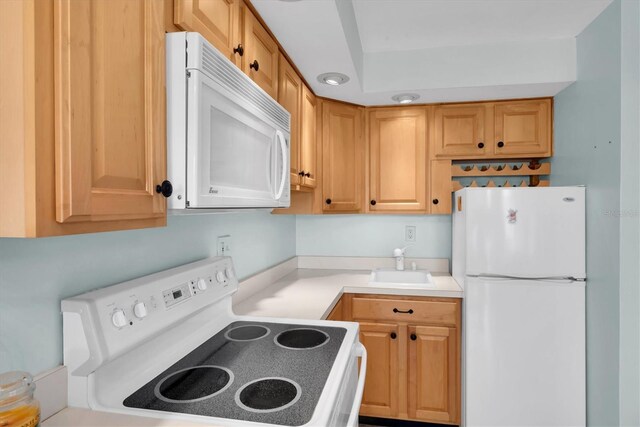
<point>269,373</point>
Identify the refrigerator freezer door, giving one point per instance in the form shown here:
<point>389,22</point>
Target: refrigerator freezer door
<point>525,232</point>
<point>525,353</point>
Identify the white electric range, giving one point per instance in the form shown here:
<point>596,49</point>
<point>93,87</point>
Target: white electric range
<point>168,345</point>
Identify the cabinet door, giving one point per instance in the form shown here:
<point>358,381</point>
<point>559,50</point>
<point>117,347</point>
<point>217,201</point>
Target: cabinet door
<point>308,143</point>
<point>217,20</point>
<point>460,131</point>
<point>433,374</point>
<point>109,109</point>
<point>260,59</point>
<point>523,128</point>
<point>440,187</point>
<point>381,388</point>
<point>342,157</point>
<point>397,160</point>
<point>290,97</point>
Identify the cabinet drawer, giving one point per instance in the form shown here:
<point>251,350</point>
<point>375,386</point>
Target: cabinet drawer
<point>425,311</point>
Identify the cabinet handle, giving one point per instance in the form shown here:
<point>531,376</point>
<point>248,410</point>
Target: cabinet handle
<point>480,144</point>
<point>328,201</point>
<point>500,144</point>
<point>393,335</point>
<point>301,173</point>
<point>307,174</point>
<point>372,203</point>
<point>166,189</point>
<point>410,311</point>
<point>413,337</point>
<point>435,201</point>
<point>255,65</point>
<point>239,50</point>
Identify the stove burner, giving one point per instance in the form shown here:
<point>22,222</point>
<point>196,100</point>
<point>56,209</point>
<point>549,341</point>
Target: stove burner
<point>301,339</point>
<point>247,333</point>
<point>193,384</point>
<point>268,394</point>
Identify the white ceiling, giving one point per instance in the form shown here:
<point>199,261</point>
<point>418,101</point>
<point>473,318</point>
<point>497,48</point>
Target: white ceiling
<point>391,25</point>
<point>443,50</point>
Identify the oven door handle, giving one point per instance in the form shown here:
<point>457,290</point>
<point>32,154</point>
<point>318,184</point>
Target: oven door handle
<point>361,352</point>
<point>285,169</point>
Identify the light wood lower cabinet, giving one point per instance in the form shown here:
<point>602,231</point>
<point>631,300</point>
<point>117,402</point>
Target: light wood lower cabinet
<point>413,350</point>
<point>380,398</point>
<point>433,373</point>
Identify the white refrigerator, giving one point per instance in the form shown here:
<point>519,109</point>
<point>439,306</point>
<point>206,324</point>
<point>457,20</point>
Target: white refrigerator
<point>519,254</point>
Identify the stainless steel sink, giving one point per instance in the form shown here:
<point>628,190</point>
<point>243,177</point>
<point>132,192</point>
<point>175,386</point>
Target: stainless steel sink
<point>391,277</point>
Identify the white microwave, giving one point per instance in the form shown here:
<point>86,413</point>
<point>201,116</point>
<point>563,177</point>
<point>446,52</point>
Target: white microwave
<point>227,139</point>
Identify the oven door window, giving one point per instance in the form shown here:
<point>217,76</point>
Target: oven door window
<point>235,156</point>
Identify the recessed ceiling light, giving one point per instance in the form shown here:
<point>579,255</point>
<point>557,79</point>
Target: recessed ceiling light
<point>405,98</point>
<point>333,79</point>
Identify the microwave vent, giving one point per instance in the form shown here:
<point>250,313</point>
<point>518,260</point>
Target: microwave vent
<point>229,76</point>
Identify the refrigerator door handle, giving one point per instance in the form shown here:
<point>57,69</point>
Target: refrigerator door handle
<point>561,279</point>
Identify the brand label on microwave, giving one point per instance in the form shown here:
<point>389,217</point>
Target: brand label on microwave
<point>213,190</point>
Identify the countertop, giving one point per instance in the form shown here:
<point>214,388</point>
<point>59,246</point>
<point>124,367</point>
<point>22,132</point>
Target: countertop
<point>312,293</point>
<point>301,294</point>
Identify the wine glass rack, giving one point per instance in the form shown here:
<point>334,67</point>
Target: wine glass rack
<point>500,174</point>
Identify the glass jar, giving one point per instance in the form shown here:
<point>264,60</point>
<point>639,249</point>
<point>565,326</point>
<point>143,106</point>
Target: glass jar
<point>18,408</point>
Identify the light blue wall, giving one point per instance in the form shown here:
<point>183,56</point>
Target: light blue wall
<point>630,217</point>
<point>36,274</point>
<point>372,235</point>
<point>587,151</point>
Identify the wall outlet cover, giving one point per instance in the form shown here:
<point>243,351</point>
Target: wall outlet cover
<point>224,245</point>
<point>410,233</point>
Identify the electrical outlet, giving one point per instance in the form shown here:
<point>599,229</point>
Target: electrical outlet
<point>224,245</point>
<point>410,233</point>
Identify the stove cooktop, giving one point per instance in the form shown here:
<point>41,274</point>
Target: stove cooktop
<point>270,373</point>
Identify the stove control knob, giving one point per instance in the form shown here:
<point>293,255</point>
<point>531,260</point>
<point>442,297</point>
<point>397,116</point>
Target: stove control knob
<point>202,284</point>
<point>118,319</point>
<point>229,272</point>
<point>220,277</point>
<point>140,310</point>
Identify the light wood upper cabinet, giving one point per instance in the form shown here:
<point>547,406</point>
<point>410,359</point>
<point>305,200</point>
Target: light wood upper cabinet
<point>342,157</point>
<point>308,139</point>
<point>523,128</point>
<point>380,398</point>
<point>397,159</point>
<point>290,97</point>
<point>261,55</point>
<point>460,130</point>
<point>110,110</point>
<point>86,149</point>
<point>217,20</point>
<point>433,374</point>
<point>440,186</point>
<point>493,130</point>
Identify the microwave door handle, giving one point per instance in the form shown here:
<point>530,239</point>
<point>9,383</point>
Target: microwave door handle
<point>283,148</point>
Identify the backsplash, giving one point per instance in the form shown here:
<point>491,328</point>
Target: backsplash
<point>373,235</point>
<point>36,274</point>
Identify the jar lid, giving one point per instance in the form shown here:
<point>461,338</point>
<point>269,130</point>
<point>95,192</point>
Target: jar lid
<point>15,385</point>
